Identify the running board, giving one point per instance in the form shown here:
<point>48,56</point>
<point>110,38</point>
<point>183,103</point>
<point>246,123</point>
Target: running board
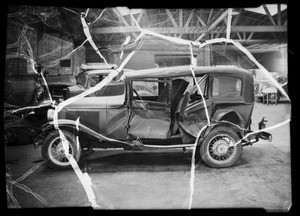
<point>168,146</point>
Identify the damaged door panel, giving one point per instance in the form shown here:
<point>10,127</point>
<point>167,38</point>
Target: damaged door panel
<point>192,113</point>
<point>151,109</point>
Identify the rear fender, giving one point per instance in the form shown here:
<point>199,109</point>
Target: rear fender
<point>229,116</point>
<point>240,131</point>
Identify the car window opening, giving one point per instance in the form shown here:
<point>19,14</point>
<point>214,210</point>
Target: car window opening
<point>193,91</point>
<point>227,87</point>
<point>151,90</point>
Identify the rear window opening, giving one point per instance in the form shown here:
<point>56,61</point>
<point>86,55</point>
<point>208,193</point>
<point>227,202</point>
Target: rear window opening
<point>227,87</point>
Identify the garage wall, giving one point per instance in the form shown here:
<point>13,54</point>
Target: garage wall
<point>141,60</point>
<point>148,59</point>
<point>45,49</point>
<point>18,62</point>
<point>274,61</point>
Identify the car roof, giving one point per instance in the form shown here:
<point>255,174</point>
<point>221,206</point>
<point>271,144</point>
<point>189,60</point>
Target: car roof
<point>182,71</point>
<point>103,71</point>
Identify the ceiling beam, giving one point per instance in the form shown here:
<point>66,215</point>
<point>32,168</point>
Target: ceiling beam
<point>189,30</point>
<point>216,22</point>
<point>269,14</point>
<point>138,19</point>
<point>229,23</point>
<point>200,20</point>
<point>237,17</point>
<point>250,36</point>
<point>180,20</point>
<point>171,18</point>
<point>189,18</point>
<point>123,19</point>
<point>209,16</point>
<point>278,14</point>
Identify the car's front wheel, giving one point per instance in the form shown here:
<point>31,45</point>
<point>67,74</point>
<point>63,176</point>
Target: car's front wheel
<point>219,148</point>
<point>53,151</point>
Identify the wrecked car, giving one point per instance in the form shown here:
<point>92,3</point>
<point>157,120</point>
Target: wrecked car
<point>172,115</point>
<point>25,105</point>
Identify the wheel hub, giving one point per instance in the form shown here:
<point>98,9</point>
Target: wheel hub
<point>220,147</point>
<point>60,150</point>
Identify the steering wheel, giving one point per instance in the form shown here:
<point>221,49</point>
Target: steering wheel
<point>137,94</point>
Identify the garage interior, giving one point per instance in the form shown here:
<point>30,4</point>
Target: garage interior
<point>54,38</point>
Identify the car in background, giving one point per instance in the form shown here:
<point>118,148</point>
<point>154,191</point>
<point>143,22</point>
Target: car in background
<point>170,116</point>
<point>25,103</point>
<point>90,76</point>
<point>265,88</point>
<point>58,86</point>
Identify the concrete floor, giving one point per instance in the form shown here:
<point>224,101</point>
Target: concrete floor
<point>161,179</point>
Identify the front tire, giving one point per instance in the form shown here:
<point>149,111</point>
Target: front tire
<point>215,150</point>
<point>53,152</point>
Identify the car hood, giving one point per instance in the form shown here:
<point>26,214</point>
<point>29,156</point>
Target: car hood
<point>97,102</point>
<point>66,80</point>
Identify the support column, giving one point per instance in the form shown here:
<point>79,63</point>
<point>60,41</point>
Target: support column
<point>204,56</point>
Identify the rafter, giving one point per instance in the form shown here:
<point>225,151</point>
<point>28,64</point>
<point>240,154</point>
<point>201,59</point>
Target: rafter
<point>171,18</point>
<point>190,30</point>
<point>209,16</point>
<point>239,36</point>
<point>123,19</point>
<point>237,17</point>
<point>138,19</point>
<point>189,18</point>
<point>229,23</point>
<point>180,20</point>
<point>269,14</point>
<point>250,36</point>
<point>200,20</point>
<point>216,22</point>
<point>278,14</point>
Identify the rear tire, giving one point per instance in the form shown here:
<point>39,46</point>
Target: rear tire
<point>53,153</point>
<point>215,150</point>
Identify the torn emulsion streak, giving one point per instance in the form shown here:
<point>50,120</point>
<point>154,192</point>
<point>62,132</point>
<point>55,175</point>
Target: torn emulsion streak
<point>240,47</point>
<point>89,37</point>
<point>11,196</point>
<point>24,187</point>
<point>250,56</point>
<point>192,178</point>
<point>86,182</point>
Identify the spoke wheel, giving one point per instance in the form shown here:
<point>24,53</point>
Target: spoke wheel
<point>54,153</point>
<point>218,149</point>
<point>57,154</point>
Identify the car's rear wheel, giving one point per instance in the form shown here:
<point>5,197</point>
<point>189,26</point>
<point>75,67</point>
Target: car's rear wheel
<point>53,152</point>
<point>219,148</point>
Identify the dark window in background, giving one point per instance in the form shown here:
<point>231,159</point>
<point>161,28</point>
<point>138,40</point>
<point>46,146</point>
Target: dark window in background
<point>172,60</point>
<point>65,63</point>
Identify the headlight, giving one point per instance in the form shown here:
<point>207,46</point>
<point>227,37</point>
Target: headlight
<point>40,92</point>
<point>50,114</point>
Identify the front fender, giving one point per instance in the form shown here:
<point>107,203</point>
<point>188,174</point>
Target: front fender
<point>75,126</point>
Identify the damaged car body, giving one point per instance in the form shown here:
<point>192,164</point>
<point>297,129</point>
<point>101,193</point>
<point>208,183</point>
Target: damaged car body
<point>170,115</point>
